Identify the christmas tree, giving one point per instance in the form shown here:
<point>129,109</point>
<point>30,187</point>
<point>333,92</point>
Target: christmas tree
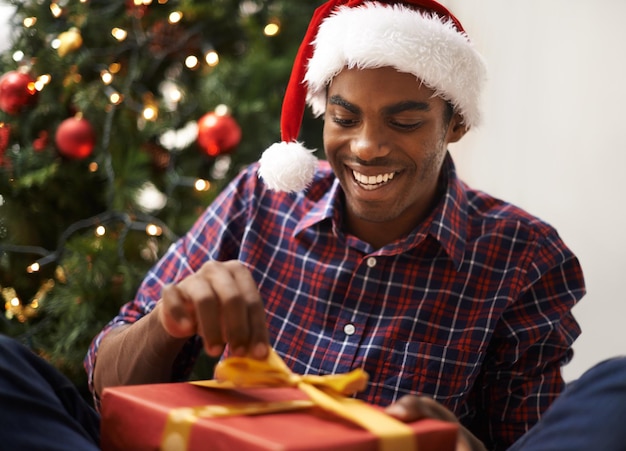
<point>120,121</point>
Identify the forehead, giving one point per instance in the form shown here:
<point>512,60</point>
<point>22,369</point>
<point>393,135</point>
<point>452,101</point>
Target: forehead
<point>380,83</point>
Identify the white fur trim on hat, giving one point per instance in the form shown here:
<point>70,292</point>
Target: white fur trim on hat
<point>287,167</point>
<point>375,35</point>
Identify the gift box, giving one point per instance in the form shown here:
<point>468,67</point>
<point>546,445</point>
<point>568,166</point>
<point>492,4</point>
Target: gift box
<point>185,416</point>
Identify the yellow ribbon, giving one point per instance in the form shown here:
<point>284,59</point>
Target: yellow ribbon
<point>327,392</point>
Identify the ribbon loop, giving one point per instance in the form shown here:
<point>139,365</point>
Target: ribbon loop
<point>273,372</point>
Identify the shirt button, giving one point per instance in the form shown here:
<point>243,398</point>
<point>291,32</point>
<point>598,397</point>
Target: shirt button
<point>371,262</point>
<point>349,329</point>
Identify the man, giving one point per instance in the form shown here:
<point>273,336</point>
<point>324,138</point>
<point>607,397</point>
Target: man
<point>379,258</point>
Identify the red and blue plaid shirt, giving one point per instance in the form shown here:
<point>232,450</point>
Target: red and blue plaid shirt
<point>472,308</point>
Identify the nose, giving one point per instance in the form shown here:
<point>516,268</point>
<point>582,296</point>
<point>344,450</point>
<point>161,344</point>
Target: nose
<point>369,142</point>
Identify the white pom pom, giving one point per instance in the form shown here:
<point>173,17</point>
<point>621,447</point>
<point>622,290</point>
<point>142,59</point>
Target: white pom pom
<point>287,167</point>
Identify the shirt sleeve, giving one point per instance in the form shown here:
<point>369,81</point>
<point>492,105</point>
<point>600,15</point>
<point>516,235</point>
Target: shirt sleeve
<point>522,374</point>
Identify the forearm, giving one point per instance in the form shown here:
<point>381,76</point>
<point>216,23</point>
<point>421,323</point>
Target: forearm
<point>140,353</point>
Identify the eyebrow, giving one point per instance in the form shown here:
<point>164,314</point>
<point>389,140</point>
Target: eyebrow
<point>340,101</point>
<point>407,105</point>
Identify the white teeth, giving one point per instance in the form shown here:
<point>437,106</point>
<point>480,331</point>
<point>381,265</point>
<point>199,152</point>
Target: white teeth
<point>372,179</point>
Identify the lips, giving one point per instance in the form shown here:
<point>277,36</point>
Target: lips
<point>370,182</point>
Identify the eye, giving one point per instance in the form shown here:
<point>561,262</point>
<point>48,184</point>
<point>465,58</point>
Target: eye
<point>344,121</point>
<point>405,125</point>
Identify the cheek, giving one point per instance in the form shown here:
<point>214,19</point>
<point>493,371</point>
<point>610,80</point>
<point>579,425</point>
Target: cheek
<point>331,139</point>
<point>432,163</point>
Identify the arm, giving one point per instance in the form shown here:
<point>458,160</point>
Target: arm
<point>521,375</point>
<point>136,354</point>
<point>135,347</point>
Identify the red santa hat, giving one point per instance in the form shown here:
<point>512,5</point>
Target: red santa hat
<point>419,37</point>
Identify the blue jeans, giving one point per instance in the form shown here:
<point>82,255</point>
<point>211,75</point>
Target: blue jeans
<point>589,414</point>
<point>40,409</point>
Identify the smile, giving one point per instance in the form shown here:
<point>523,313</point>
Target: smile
<point>371,182</point>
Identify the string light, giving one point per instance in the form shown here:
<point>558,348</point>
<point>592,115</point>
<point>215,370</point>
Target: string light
<point>154,226</point>
<point>191,62</point>
<point>116,98</point>
<point>42,81</point>
<point>106,77</point>
<point>154,230</point>
<point>29,21</point>
<point>202,185</point>
<point>212,58</point>
<point>150,109</point>
<point>119,33</point>
<point>272,28</point>
<point>150,113</point>
<point>93,167</point>
<point>175,17</point>
<point>56,10</point>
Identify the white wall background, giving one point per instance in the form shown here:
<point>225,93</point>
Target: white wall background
<point>551,141</point>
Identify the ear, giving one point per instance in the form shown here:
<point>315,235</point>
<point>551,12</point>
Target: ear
<point>456,128</point>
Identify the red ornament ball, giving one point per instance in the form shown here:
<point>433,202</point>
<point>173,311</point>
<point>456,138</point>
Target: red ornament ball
<point>17,91</point>
<point>218,134</point>
<point>75,138</point>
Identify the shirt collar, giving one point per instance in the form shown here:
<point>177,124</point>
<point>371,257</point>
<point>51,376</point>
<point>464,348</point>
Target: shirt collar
<point>449,218</point>
<point>447,223</point>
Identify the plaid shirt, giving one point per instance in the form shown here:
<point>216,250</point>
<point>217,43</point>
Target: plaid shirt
<point>472,308</point>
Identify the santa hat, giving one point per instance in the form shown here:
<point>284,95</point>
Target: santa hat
<point>419,37</point>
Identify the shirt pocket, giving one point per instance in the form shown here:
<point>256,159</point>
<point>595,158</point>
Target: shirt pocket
<point>446,373</point>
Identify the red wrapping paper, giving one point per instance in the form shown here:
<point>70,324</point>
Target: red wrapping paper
<point>134,417</point>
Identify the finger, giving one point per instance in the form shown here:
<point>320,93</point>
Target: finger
<point>209,324</point>
<point>228,309</point>
<point>244,314</point>
<point>220,301</point>
<point>258,336</point>
<point>176,313</point>
<point>413,408</point>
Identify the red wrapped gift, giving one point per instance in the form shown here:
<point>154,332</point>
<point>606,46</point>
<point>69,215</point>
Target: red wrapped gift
<point>260,405</point>
<point>136,417</point>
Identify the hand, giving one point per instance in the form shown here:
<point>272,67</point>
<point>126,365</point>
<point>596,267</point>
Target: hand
<point>222,304</point>
<point>412,408</point>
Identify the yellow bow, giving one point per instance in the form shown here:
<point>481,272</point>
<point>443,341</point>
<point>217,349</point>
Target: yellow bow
<point>273,372</point>
<point>327,392</point>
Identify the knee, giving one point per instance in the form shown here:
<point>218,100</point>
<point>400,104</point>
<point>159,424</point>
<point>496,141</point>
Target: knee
<point>8,344</point>
<point>613,368</point>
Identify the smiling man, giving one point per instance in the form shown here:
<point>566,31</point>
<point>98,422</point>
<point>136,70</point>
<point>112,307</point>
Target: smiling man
<point>457,304</point>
